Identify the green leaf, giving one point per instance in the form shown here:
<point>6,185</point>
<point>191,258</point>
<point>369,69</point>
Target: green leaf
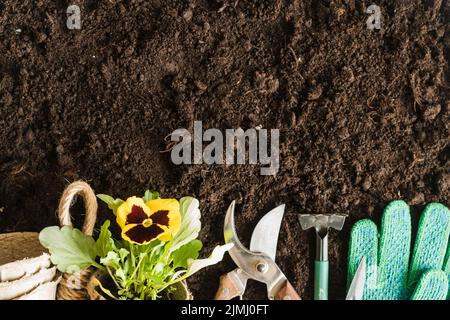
<point>187,252</point>
<point>105,242</point>
<point>70,249</point>
<point>112,203</point>
<point>112,260</point>
<point>128,266</point>
<point>123,253</point>
<point>150,195</point>
<point>120,274</point>
<point>190,223</point>
<point>159,268</point>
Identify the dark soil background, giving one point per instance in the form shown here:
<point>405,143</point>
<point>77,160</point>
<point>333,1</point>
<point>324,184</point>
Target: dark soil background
<point>363,115</point>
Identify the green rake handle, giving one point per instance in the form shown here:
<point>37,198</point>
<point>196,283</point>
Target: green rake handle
<point>321,269</point>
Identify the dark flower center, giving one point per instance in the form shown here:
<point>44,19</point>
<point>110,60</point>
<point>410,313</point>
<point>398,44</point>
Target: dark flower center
<point>136,216</point>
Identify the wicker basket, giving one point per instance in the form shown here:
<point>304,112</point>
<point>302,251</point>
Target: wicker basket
<point>78,286</point>
<point>19,245</point>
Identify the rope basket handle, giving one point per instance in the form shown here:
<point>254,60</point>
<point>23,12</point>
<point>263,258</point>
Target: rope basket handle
<point>90,204</point>
<point>73,286</point>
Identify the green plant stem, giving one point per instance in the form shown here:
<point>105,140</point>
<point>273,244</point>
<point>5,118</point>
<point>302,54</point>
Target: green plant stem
<point>172,282</point>
<point>112,277</point>
<point>98,266</point>
<point>140,275</point>
<point>107,292</point>
<point>137,269</point>
<point>133,260</point>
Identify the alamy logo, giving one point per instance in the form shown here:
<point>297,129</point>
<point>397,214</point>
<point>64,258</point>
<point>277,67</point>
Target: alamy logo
<point>374,20</point>
<point>73,17</point>
<point>189,148</point>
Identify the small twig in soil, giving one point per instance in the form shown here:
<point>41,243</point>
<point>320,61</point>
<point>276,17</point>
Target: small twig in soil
<point>17,169</point>
<point>169,144</point>
<point>415,91</point>
<point>295,56</point>
<point>415,161</point>
<point>169,147</point>
<point>393,82</point>
<point>369,101</point>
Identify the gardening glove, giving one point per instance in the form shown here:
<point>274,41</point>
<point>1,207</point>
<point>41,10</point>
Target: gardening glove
<point>388,276</point>
<point>28,279</point>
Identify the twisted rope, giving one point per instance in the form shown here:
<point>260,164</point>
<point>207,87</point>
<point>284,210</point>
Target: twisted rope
<point>73,286</point>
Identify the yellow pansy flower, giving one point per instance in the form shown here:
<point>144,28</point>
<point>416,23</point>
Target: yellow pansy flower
<point>143,222</point>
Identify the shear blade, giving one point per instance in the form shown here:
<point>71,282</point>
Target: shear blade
<point>356,289</point>
<point>265,235</point>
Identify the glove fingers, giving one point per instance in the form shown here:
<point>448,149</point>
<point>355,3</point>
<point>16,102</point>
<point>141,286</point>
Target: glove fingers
<point>433,285</point>
<point>364,243</point>
<point>431,242</point>
<point>446,268</point>
<point>393,256</point>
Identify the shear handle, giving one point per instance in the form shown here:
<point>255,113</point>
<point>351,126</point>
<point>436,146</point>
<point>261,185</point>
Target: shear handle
<point>287,292</point>
<point>232,285</point>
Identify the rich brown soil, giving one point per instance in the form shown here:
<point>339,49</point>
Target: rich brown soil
<point>363,115</point>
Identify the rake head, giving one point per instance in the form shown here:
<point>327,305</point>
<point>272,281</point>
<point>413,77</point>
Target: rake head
<point>322,222</point>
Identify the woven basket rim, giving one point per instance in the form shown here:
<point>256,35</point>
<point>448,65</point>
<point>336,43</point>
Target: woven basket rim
<point>19,245</point>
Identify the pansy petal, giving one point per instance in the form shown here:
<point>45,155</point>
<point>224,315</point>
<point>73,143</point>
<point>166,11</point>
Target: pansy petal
<point>163,204</point>
<point>172,222</point>
<point>141,235</point>
<point>166,235</point>
<point>172,219</point>
<point>137,215</point>
<point>127,207</point>
<point>161,217</point>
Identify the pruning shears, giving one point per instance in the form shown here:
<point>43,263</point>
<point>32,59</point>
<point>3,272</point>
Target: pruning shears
<point>356,289</point>
<point>258,263</point>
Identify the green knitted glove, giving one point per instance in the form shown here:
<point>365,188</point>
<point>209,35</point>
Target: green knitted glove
<point>387,274</point>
